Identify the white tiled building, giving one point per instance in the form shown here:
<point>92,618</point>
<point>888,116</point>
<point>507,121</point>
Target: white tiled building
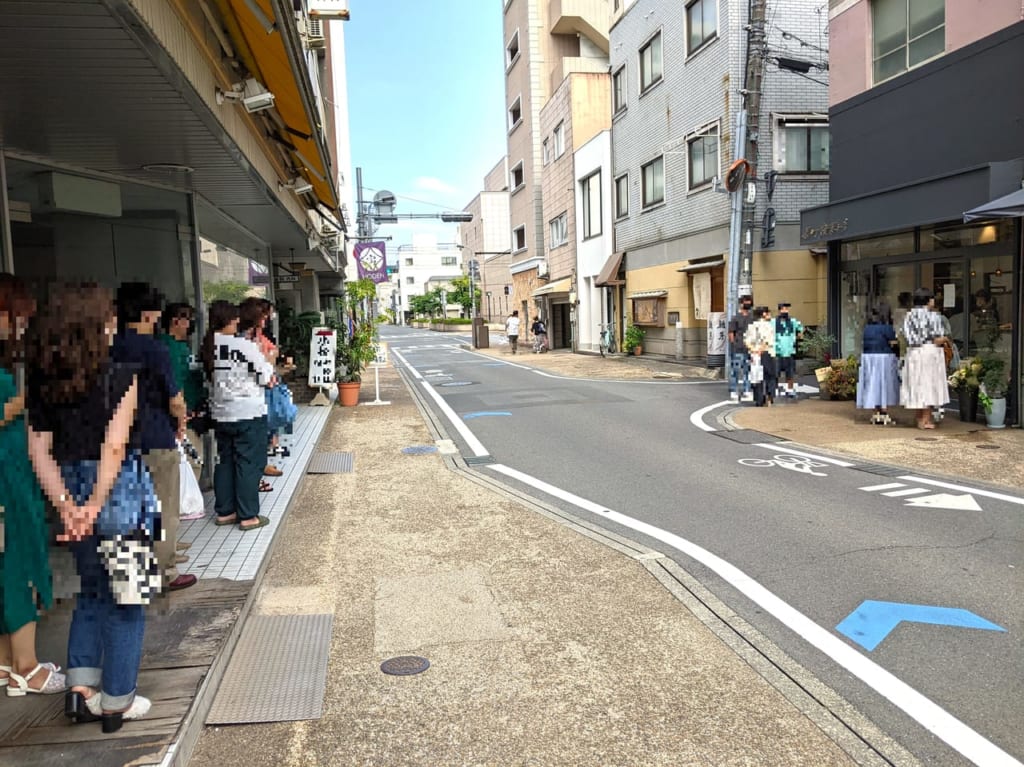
<point>422,265</point>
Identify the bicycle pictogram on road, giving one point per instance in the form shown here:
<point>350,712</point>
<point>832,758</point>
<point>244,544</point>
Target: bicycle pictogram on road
<point>788,462</point>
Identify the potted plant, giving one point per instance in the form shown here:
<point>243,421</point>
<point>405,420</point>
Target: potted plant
<point>840,381</point>
<point>634,340</point>
<point>818,344</point>
<point>965,381</point>
<point>992,393</point>
<point>357,333</point>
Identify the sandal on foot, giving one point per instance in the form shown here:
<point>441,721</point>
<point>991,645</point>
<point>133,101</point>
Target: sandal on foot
<point>112,721</point>
<point>263,522</point>
<point>265,487</point>
<point>228,520</point>
<point>18,685</point>
<point>272,471</point>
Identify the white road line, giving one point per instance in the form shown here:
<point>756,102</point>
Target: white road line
<point>889,486</point>
<point>910,491</point>
<point>963,489</point>
<point>697,416</point>
<point>969,743</point>
<point>783,447</point>
<point>460,426</point>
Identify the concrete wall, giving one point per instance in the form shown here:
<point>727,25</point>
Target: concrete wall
<point>592,253</point>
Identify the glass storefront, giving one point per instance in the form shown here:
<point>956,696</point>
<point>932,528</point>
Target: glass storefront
<point>970,269</point>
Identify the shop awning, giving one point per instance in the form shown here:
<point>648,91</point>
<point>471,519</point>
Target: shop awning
<point>610,272</point>
<point>648,294</point>
<point>696,267</point>
<point>558,286</point>
<point>1007,206</point>
<point>270,63</point>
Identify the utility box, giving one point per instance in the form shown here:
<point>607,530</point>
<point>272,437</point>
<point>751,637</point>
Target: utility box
<point>481,334</point>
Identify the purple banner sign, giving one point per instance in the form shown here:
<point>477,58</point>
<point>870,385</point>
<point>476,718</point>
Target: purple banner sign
<point>371,261</point>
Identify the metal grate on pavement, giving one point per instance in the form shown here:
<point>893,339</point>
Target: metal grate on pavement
<point>478,460</point>
<point>277,673</point>
<point>330,463</point>
<point>748,436</point>
<point>881,469</point>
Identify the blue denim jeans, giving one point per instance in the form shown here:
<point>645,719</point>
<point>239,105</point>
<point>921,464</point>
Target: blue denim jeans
<point>105,643</point>
<point>739,368</point>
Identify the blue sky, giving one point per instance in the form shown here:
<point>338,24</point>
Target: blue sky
<point>426,103</point>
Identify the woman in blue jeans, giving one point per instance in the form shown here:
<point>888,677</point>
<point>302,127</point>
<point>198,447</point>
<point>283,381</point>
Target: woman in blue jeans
<point>81,411</point>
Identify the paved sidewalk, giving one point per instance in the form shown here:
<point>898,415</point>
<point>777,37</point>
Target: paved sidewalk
<point>550,642</point>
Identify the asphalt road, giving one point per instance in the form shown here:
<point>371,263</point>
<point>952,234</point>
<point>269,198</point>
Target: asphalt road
<point>794,544</point>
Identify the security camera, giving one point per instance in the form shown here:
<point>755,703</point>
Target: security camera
<point>251,93</point>
<point>259,102</point>
<point>301,187</point>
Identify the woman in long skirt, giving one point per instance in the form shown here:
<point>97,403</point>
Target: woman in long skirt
<point>924,375</point>
<point>879,384</point>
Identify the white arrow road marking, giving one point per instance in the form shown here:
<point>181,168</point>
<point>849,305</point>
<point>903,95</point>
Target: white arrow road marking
<point>946,501</point>
<point>908,491</point>
<point>890,486</point>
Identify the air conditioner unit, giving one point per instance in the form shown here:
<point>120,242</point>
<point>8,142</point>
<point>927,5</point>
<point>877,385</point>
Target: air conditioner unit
<point>315,33</point>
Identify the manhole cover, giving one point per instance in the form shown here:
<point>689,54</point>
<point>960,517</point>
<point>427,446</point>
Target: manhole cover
<point>405,665</point>
<point>987,447</point>
<point>419,449</point>
<point>927,439</point>
<point>458,383</point>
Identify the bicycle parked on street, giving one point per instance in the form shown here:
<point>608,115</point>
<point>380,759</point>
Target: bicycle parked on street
<point>607,343</point>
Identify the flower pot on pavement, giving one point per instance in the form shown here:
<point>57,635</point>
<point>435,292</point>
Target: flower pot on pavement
<point>968,400</point>
<point>348,393</point>
<point>638,350</point>
<point>995,416</point>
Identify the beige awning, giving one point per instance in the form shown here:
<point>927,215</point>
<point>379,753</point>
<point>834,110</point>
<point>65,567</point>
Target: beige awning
<point>694,267</point>
<point>648,294</point>
<point>558,286</point>
<point>609,275</point>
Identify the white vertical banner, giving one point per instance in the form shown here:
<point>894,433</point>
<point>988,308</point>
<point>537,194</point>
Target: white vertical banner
<point>701,295</point>
<point>322,348</point>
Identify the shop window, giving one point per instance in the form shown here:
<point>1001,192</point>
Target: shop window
<point>905,34</point>
<point>654,182</point>
<point>590,194</point>
<point>897,244</point>
<point>649,311</point>
<point>702,154</point>
<point>650,63</point>
<point>801,145</point>
<point>701,24</point>
<point>559,230</point>
<point>958,236</point>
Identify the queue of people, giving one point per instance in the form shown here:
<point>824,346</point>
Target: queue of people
<point>97,394</point>
<point>763,350</point>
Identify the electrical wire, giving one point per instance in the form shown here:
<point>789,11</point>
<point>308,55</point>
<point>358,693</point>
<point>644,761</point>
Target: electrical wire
<point>410,199</point>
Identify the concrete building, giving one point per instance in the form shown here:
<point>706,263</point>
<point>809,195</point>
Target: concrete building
<point>423,266</point>
<point>486,239</point>
<point>156,126</point>
<point>545,42</point>
<point>594,238</point>
<point>677,73</point>
<point>925,113</point>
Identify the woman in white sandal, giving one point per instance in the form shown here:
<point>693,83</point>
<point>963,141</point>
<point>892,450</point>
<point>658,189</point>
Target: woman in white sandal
<point>25,583</point>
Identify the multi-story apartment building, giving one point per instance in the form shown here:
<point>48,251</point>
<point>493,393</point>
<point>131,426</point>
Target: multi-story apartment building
<point>486,240</point>
<point>424,265</point>
<point>678,72</point>
<point>545,42</point>
<point>925,114</point>
<point>161,127</point>
<point>594,237</point>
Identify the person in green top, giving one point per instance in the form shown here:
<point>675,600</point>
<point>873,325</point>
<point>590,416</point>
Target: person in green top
<point>788,330</point>
<point>177,327</point>
<point>25,583</point>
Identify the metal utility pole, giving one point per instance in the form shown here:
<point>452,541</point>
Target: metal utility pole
<point>752,83</point>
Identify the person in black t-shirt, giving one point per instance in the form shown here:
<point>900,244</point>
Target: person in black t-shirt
<point>83,445</point>
<point>739,355</point>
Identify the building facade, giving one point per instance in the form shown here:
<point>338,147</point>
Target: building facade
<point>594,238</point>
<point>909,96</point>
<point>486,240</point>
<point>422,266</point>
<point>677,83</point>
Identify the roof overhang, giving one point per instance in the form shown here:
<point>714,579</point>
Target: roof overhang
<point>648,294</point>
<point>558,286</point>
<point>696,265</point>
<point>1008,206</point>
<point>609,274</point>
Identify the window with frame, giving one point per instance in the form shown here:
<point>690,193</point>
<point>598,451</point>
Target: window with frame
<point>590,196</point>
<point>410,280</point>
<point>701,24</point>
<point>515,113</point>
<point>408,262</point>
<point>559,137</point>
<point>802,146</point>
<point>546,151</point>
<point>559,230</point>
<point>519,238</point>
<point>649,311</point>
<point>653,174</point>
<point>905,34</point>
<point>619,90</point>
<point>512,50</point>
<point>702,156</point>
<point>517,177</point>
<point>650,63</point>
<point>622,196</point>
<point>449,261</point>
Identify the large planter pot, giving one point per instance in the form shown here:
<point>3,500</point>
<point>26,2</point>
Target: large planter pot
<point>968,401</point>
<point>348,393</point>
<point>995,417</point>
<point>638,350</point>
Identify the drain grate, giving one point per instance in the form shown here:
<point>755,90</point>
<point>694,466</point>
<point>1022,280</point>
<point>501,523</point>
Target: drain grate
<point>748,436</point>
<point>478,460</point>
<point>290,653</point>
<point>331,463</point>
<point>987,447</point>
<point>419,449</point>
<point>405,665</point>
<point>881,469</point>
<point>459,383</point>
